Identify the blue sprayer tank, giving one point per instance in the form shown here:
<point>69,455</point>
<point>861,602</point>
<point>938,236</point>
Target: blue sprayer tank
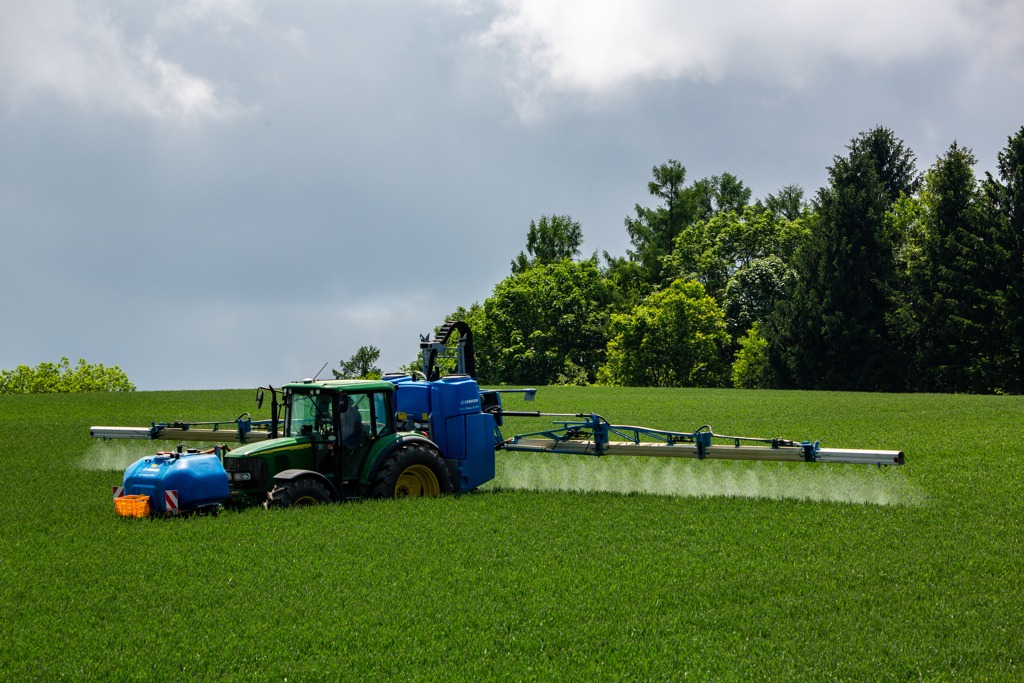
<point>451,408</point>
<point>194,479</point>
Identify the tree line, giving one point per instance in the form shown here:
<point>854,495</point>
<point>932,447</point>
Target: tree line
<point>62,378</point>
<point>887,279</point>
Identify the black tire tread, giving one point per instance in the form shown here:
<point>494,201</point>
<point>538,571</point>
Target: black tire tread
<point>383,483</point>
<point>284,494</point>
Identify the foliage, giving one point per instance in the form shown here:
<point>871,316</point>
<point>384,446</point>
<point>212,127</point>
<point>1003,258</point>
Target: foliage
<point>547,321</point>
<point>1006,195</point>
<point>832,330</point>
<point>656,233</point>
<point>628,282</point>
<point>483,350</point>
<point>753,291</point>
<point>903,224</point>
<point>886,281</point>
<point>728,193</point>
<point>751,369</point>
<point>893,163</point>
<point>653,230</point>
<point>412,367</point>
<point>361,365</point>
<point>712,251</point>
<point>676,337</point>
<point>572,375</point>
<point>788,203</point>
<point>61,378</point>
<point>552,239</point>
<point>949,302</point>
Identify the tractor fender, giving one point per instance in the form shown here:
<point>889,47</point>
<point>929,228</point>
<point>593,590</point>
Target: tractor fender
<point>290,475</point>
<point>392,447</point>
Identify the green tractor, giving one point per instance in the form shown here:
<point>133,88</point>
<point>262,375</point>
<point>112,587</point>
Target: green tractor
<point>338,441</point>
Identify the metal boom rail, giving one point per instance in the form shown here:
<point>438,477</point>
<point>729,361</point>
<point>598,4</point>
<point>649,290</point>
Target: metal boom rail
<point>239,430</point>
<point>592,437</point>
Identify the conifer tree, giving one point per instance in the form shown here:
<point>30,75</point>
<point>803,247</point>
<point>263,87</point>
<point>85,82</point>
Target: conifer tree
<point>831,330</point>
<point>1007,196</point>
<point>653,230</point>
<point>953,283</point>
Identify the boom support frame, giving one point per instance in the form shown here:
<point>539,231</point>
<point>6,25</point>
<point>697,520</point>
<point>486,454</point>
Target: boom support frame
<point>592,436</point>
<point>240,430</point>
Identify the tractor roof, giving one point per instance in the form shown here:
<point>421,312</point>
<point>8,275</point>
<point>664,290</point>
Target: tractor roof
<point>345,385</point>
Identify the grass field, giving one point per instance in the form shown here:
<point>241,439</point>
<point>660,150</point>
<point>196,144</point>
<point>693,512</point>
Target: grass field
<point>602,569</point>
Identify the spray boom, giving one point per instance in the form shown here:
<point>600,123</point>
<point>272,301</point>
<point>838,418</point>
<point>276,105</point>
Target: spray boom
<point>593,436</point>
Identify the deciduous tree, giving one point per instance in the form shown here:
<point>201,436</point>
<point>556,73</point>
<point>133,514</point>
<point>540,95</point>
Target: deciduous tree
<point>753,292</point>
<point>675,338</point>
<point>788,203</point>
<point>48,378</point>
<point>751,369</point>
<point>361,365</point>
<point>552,239</point>
<point>712,251</point>
<point>548,321</point>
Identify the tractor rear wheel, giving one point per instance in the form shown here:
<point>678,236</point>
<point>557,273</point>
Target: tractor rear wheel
<point>298,492</point>
<point>414,470</point>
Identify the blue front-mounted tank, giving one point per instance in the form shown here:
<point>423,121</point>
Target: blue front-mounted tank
<point>178,482</point>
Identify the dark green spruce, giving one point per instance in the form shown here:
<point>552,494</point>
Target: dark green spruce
<point>831,331</point>
<point>1007,196</point>
<point>953,283</point>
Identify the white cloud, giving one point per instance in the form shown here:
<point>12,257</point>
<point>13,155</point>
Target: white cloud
<point>593,47</point>
<point>75,51</point>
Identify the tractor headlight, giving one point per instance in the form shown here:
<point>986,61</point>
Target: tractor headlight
<point>239,476</point>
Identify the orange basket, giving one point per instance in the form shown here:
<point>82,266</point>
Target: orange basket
<point>132,506</point>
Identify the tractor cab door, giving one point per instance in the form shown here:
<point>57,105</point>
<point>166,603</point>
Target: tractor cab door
<point>322,431</point>
<point>366,417</point>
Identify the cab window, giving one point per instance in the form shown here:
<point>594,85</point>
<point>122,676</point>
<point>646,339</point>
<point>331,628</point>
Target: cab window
<point>352,429</point>
<point>308,415</point>
<point>383,422</point>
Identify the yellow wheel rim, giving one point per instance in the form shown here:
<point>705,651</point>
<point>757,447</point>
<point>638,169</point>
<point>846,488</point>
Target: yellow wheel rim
<point>306,500</point>
<point>417,480</point>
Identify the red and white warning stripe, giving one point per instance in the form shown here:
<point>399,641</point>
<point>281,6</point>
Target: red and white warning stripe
<point>118,492</point>
<point>171,502</point>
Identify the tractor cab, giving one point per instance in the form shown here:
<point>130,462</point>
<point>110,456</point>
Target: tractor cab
<point>342,420</point>
<point>325,435</point>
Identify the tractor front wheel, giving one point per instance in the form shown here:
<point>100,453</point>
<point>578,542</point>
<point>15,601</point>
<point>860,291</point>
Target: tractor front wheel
<point>411,471</point>
<point>298,492</point>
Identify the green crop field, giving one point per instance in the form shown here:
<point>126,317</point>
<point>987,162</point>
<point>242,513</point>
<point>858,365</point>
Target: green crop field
<point>565,568</point>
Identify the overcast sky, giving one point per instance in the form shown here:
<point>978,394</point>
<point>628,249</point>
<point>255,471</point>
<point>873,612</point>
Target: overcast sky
<point>226,193</point>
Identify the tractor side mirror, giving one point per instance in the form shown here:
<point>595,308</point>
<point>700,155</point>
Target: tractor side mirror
<point>343,403</point>
<point>259,398</point>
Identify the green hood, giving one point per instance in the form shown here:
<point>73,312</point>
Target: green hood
<point>265,447</point>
